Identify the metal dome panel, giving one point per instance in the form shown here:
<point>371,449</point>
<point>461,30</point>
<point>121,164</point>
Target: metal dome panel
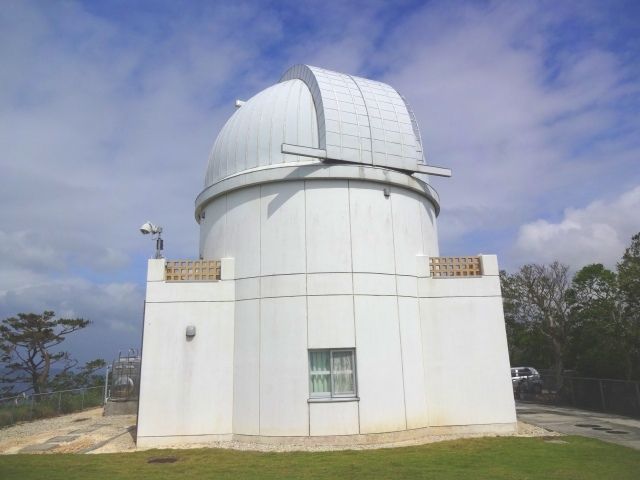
<point>314,115</point>
<point>361,120</point>
<point>253,136</point>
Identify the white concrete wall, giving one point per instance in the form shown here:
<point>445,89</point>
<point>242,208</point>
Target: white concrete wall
<point>309,256</point>
<point>282,228</point>
<point>379,363</point>
<point>338,418</point>
<point>186,384</point>
<point>466,363</point>
<point>246,368</point>
<point>327,225</point>
<point>413,366</point>
<point>242,239</point>
<point>371,228</point>
<point>284,370</point>
<point>336,264</point>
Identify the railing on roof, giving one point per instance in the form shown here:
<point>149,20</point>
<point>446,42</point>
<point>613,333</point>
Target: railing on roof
<point>455,266</point>
<point>192,270</point>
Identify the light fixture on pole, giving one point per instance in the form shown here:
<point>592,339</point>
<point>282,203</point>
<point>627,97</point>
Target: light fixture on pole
<point>154,230</point>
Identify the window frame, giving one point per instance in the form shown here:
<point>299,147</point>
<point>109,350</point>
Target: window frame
<point>332,395</point>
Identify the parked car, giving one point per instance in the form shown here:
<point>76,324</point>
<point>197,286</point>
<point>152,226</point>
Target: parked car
<point>525,380</point>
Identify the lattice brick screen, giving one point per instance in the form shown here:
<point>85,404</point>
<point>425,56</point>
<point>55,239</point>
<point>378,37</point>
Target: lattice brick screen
<point>192,270</point>
<point>455,266</point>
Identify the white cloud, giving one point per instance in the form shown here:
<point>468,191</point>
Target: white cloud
<point>597,233</point>
<point>106,121</point>
<point>115,310</point>
<point>28,250</point>
<point>526,126</point>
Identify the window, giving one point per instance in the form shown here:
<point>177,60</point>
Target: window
<point>332,373</point>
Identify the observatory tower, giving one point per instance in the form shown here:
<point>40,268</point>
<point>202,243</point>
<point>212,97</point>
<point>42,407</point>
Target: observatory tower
<point>320,310</point>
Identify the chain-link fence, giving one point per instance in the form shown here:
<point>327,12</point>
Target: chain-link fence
<point>27,407</point>
<point>601,394</point>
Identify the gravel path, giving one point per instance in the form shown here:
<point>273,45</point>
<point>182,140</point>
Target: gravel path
<point>90,432</point>
<point>83,431</point>
<point>524,430</point>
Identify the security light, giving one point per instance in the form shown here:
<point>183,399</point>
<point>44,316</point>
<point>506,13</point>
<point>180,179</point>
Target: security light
<point>149,228</point>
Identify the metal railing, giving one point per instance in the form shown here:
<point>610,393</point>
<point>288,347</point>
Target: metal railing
<point>26,407</point>
<point>124,381</point>
<point>609,395</point>
<point>192,270</point>
<point>455,266</point>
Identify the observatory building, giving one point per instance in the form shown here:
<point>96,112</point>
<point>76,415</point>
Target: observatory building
<point>319,310</point>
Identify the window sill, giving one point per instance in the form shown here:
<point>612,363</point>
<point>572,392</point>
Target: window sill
<point>333,399</point>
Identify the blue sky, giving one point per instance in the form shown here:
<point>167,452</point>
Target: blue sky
<point>108,111</point>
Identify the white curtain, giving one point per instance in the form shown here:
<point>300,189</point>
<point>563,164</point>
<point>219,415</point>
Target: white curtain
<point>343,372</point>
<point>320,370</point>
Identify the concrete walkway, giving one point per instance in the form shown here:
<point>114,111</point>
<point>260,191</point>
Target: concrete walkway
<point>572,421</point>
<point>81,432</point>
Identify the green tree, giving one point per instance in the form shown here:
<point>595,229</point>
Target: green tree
<point>29,351</point>
<point>85,376</point>
<point>535,300</point>
<point>597,321</point>
<point>629,283</point>
<point>527,346</point>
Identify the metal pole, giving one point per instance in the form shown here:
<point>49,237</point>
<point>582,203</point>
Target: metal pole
<point>638,395</point>
<point>106,381</point>
<point>604,405</point>
<point>573,393</point>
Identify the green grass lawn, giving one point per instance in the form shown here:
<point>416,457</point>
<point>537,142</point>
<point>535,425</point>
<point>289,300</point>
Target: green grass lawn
<point>490,458</point>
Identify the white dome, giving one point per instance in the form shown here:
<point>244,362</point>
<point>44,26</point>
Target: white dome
<point>253,136</point>
<point>317,115</point>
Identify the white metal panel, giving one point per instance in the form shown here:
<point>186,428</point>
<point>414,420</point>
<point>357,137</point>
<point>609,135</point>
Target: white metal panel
<point>279,125</point>
<point>429,228</point>
<point>374,284</point>
<point>330,322</point>
<point>284,374</point>
<point>464,338</point>
<point>408,238</point>
<point>333,418</point>
<point>247,288</point>
<point>221,291</point>
<point>329,284</point>
<point>243,231</point>
<point>246,368</point>
<point>379,365</point>
<point>412,363</point>
<point>212,230</point>
<point>190,391</point>
<point>361,120</point>
<point>353,119</point>
<point>283,285</point>
<point>407,285</point>
<point>282,238</point>
<point>254,134</point>
<point>265,125</point>
<point>327,226</point>
<point>371,227</point>
<point>459,287</point>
